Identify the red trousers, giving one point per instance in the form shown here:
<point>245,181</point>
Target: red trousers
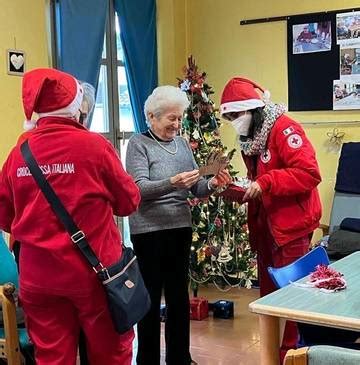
<point>269,254</point>
<point>54,321</point>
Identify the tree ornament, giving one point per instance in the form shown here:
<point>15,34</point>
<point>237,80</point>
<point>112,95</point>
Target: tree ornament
<point>196,134</point>
<point>224,255</point>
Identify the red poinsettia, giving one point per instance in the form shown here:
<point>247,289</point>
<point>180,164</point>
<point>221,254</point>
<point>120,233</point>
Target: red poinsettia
<point>193,79</point>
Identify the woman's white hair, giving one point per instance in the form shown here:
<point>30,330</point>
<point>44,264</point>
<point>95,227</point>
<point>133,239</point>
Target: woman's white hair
<point>162,98</point>
<point>89,95</point>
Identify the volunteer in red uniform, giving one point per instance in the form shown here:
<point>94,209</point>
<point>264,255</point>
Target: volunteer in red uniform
<point>59,292</point>
<point>284,206</point>
<point>87,107</point>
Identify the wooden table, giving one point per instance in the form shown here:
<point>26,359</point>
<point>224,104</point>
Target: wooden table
<point>309,305</point>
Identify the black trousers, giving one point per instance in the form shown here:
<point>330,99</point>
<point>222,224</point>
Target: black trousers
<point>163,258</point>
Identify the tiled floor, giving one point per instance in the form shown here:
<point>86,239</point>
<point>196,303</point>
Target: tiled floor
<point>224,341</point>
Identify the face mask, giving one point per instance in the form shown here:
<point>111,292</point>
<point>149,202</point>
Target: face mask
<point>242,124</point>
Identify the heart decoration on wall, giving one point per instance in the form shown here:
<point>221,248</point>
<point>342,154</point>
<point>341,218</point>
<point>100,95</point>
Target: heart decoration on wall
<point>17,61</point>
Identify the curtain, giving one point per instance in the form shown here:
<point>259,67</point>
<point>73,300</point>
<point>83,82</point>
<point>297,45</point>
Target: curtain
<point>137,20</point>
<point>80,37</point>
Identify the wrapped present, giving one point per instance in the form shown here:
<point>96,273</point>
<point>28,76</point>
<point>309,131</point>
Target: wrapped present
<point>162,312</point>
<point>235,192</point>
<point>223,309</point>
<point>199,308</point>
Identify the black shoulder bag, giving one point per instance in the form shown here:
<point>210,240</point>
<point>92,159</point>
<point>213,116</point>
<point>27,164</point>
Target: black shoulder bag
<point>127,296</point>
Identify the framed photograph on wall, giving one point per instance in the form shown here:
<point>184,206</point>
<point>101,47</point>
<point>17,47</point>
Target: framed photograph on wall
<point>312,37</point>
<point>346,96</point>
<point>15,62</point>
<point>350,64</point>
<point>348,29</point>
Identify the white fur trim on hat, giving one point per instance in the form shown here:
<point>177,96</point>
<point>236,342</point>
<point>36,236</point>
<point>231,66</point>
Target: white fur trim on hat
<point>266,96</point>
<point>29,125</point>
<point>70,110</point>
<point>240,106</point>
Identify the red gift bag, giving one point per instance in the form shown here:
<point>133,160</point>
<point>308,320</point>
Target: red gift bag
<point>199,309</point>
<point>233,193</point>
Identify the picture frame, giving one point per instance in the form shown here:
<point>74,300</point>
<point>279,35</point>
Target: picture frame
<point>348,29</point>
<point>15,62</point>
<point>311,37</point>
<point>346,95</point>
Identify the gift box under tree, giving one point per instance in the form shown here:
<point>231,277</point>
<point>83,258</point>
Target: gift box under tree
<point>199,309</point>
<point>223,309</point>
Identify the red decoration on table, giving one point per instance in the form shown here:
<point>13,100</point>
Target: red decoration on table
<point>199,308</point>
<point>325,277</point>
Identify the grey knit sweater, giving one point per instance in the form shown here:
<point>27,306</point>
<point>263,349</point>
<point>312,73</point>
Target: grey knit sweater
<point>162,205</point>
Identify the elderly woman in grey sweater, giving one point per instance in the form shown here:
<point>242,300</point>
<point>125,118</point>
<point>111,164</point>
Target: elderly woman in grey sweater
<point>163,167</point>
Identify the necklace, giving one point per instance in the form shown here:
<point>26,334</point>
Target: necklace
<point>163,147</point>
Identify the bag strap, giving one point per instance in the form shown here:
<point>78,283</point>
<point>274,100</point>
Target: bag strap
<point>77,236</point>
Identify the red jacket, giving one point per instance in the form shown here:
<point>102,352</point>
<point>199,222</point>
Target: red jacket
<point>288,175</point>
<point>87,175</point>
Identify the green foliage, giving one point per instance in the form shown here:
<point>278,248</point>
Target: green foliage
<point>220,251</point>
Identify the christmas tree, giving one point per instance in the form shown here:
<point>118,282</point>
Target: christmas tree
<point>220,251</point>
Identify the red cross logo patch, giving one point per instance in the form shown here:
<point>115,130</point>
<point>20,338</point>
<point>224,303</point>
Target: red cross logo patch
<point>295,141</point>
<point>265,156</point>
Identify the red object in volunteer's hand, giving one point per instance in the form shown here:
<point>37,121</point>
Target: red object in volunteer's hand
<point>233,193</point>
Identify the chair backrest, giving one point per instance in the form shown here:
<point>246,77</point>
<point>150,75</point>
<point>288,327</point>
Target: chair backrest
<point>332,355</point>
<point>8,267</point>
<point>322,355</point>
<point>346,201</point>
<point>300,268</point>
<point>10,338</point>
<point>345,205</point>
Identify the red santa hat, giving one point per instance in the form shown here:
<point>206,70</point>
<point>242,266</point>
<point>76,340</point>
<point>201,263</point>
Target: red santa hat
<point>240,94</point>
<point>49,92</point>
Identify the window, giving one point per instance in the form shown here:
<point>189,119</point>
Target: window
<point>112,115</point>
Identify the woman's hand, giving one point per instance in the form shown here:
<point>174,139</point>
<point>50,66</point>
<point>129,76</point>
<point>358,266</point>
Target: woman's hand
<point>185,180</point>
<point>221,179</point>
<point>254,191</point>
